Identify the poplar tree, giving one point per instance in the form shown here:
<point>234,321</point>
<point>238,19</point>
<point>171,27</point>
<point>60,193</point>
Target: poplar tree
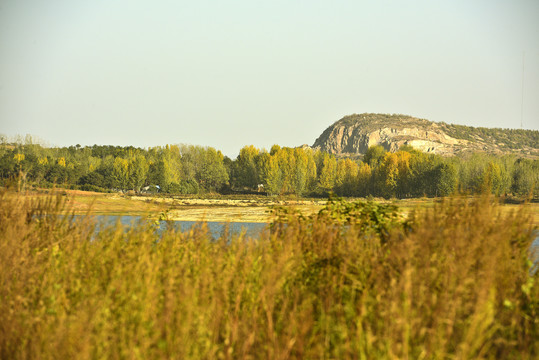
<point>247,170</point>
<point>364,184</point>
<point>305,171</point>
<point>389,174</point>
<point>329,173</point>
<point>138,170</point>
<point>274,176</point>
<point>121,173</point>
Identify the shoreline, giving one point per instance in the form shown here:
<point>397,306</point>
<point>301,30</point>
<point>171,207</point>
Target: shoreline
<point>232,209</point>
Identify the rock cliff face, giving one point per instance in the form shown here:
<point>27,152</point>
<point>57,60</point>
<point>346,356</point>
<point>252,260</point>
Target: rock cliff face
<point>354,134</point>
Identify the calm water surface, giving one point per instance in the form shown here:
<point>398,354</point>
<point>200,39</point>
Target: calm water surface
<point>534,253</point>
<point>216,229</point>
<point>253,230</point>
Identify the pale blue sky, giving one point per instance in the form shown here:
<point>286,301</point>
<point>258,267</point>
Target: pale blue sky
<point>231,73</point>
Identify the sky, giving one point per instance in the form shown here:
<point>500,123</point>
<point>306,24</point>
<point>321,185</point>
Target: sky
<point>231,73</point>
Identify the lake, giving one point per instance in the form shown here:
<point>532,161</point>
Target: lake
<point>252,230</point>
<point>534,253</point>
<point>216,229</point>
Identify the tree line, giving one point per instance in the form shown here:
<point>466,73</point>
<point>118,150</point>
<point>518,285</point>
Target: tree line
<point>188,169</point>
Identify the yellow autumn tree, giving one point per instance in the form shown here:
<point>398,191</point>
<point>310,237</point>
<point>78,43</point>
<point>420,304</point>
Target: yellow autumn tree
<point>328,173</point>
<point>274,174</point>
<point>246,169</point>
<point>304,171</point>
<point>404,174</point>
<point>138,170</point>
<point>364,180</point>
<point>120,173</point>
<point>93,163</point>
<point>389,174</point>
<point>346,180</point>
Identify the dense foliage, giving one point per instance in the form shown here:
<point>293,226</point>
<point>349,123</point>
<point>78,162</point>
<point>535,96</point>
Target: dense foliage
<point>184,169</point>
<point>353,282</point>
<point>504,138</point>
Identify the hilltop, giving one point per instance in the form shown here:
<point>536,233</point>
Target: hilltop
<point>353,134</point>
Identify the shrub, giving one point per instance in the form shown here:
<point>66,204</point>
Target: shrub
<point>89,187</point>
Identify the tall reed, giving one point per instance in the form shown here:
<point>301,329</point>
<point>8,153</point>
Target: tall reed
<point>353,282</point>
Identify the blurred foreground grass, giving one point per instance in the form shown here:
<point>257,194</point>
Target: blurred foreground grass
<point>452,280</point>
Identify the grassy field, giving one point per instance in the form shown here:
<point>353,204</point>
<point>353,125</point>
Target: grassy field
<point>357,281</point>
<point>223,208</point>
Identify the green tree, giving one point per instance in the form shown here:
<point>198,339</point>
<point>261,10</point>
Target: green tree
<point>121,173</point>
<point>364,180</point>
<point>212,174</point>
<point>328,174</point>
<point>340,175</point>
<point>138,171</point>
<point>304,172</point>
<point>274,149</point>
<point>492,178</point>
<point>247,171</point>
<point>445,176</point>
<point>274,175</point>
<point>526,177</point>
<point>374,155</point>
<point>389,174</point>
<point>287,164</point>
<point>347,177</point>
<point>405,173</point>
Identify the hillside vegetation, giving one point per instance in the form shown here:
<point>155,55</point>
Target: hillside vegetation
<point>505,139</point>
<point>372,121</point>
<point>356,133</point>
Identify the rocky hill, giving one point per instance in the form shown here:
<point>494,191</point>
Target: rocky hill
<point>354,134</point>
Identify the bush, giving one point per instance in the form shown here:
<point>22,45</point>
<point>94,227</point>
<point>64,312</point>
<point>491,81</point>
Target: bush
<point>184,187</point>
<point>89,187</point>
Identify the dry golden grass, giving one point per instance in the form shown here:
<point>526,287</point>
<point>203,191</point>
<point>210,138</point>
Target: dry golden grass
<point>453,281</point>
